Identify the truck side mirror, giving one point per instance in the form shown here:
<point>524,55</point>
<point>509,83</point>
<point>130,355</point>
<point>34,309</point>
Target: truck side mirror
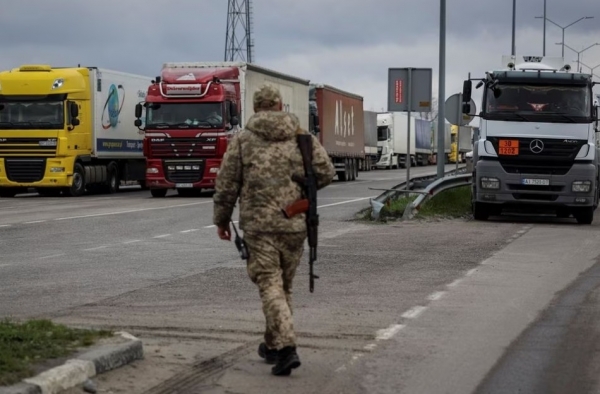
<point>137,122</point>
<point>234,121</point>
<point>73,109</point>
<point>138,110</point>
<point>233,110</point>
<point>466,93</point>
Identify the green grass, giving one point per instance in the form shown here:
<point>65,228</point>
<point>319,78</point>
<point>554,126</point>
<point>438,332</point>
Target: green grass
<point>24,344</point>
<point>452,203</point>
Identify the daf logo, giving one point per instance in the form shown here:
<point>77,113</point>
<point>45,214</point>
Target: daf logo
<point>536,146</point>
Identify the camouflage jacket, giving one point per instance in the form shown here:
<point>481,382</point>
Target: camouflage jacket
<point>258,167</point>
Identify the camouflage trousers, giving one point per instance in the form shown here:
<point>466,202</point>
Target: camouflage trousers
<point>271,266</point>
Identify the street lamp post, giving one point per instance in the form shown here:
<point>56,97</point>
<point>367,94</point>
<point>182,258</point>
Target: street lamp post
<point>578,52</point>
<point>563,29</point>
<point>591,68</point>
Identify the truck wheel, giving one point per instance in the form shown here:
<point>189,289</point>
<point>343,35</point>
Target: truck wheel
<point>481,211</point>
<point>352,168</point>
<point>584,215</point>
<point>113,178</point>
<point>355,169</point>
<point>158,192</point>
<point>78,187</point>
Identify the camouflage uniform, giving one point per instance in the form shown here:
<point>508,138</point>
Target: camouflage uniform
<point>258,167</point>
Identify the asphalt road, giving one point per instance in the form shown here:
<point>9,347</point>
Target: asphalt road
<point>421,307</point>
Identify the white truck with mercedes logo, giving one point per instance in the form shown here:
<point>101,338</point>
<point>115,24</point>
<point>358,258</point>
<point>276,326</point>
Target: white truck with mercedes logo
<point>536,150</point>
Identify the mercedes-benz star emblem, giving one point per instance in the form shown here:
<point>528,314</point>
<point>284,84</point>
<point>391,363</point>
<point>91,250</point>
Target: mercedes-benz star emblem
<point>536,146</point>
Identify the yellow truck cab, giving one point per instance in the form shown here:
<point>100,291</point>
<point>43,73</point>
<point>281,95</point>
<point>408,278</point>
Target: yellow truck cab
<point>69,130</point>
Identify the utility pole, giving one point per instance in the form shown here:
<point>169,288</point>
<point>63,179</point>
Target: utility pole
<point>513,51</point>
<point>578,52</point>
<point>238,34</point>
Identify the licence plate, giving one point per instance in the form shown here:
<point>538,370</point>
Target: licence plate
<point>508,147</point>
<point>184,185</point>
<point>536,182</point>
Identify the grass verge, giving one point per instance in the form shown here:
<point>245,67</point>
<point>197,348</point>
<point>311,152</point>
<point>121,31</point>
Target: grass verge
<point>22,345</point>
<point>449,204</point>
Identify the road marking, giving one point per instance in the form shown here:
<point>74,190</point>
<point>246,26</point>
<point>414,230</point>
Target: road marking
<point>456,282</point>
<point>345,202</point>
<point>212,225</point>
<point>471,272</point>
<point>5,225</point>
<point>162,236</point>
<point>436,296</point>
<point>133,211</point>
<point>389,332</point>
<point>132,241</point>
<point>189,231</point>
<point>96,248</point>
<point>35,221</point>
<point>51,256</point>
<point>414,312</point>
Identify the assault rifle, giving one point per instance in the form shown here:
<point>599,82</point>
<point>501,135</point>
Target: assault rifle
<point>308,204</point>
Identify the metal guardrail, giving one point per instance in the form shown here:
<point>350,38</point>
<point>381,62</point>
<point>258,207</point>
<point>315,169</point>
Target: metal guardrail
<point>440,185</point>
<point>379,202</point>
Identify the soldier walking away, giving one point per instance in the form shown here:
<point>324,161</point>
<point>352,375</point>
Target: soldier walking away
<point>258,168</point>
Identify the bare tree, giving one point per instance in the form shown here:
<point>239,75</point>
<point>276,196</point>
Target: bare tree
<point>434,111</point>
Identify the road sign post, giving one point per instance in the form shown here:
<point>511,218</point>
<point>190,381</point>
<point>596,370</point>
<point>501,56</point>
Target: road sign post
<point>417,97</point>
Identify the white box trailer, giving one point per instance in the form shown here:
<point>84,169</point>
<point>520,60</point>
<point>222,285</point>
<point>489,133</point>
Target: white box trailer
<point>114,96</point>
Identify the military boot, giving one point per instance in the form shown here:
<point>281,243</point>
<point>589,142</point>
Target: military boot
<point>270,355</point>
<point>287,359</point>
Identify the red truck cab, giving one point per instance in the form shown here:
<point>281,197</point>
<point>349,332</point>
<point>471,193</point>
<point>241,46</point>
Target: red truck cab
<point>191,113</point>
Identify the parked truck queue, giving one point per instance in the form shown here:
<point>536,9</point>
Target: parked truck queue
<point>71,130</point>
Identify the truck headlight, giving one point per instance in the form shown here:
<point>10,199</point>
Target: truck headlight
<point>490,183</point>
<point>57,169</point>
<point>214,170</point>
<point>152,170</point>
<point>581,186</point>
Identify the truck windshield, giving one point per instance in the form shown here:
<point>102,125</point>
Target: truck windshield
<point>31,115</point>
<point>565,104</point>
<point>383,133</point>
<point>184,115</point>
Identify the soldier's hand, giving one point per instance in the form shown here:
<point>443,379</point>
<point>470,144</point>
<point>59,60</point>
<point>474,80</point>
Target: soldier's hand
<point>224,233</point>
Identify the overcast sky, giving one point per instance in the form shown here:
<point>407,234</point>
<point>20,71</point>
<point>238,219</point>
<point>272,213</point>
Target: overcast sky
<point>345,43</point>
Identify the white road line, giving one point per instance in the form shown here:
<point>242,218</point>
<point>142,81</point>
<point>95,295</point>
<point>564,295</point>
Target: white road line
<point>133,211</point>
<point>212,225</point>
<point>189,231</point>
<point>35,221</point>
<point>414,312</point>
<point>471,272</point>
<point>5,225</point>
<point>132,241</point>
<point>456,282</point>
<point>96,248</point>
<point>51,256</point>
<point>389,332</point>
<point>345,202</point>
<point>436,296</point>
<point>162,236</point>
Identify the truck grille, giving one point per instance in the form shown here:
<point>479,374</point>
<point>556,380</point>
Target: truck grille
<point>183,147</point>
<point>556,158</point>
<point>25,170</point>
<point>183,171</point>
<point>45,147</point>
